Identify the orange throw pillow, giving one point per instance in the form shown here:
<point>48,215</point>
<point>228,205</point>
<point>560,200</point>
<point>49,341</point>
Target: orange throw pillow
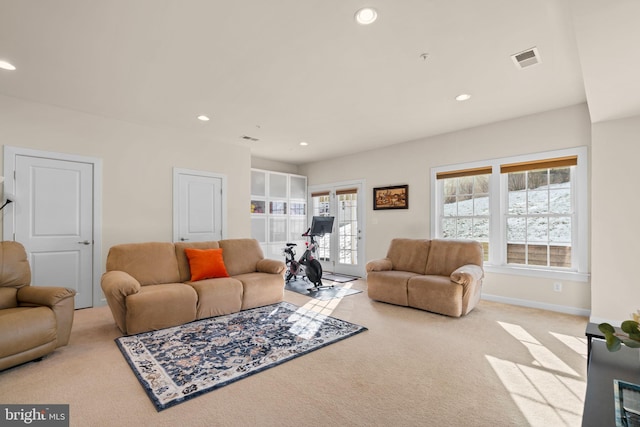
<point>206,263</point>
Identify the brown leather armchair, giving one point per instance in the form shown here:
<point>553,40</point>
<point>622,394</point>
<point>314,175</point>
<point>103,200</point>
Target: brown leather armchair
<point>34,321</point>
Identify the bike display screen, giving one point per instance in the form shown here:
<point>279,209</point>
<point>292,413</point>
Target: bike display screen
<point>321,225</point>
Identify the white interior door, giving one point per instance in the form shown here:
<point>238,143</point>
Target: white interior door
<point>198,206</point>
<point>53,219</point>
<point>342,251</point>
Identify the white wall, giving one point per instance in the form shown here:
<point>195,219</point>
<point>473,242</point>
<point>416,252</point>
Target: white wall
<point>137,177</point>
<point>615,217</point>
<point>410,163</point>
<point>272,165</point>
<point>138,164</point>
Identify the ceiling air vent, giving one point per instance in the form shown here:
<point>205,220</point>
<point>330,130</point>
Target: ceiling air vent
<point>526,58</point>
<point>249,138</point>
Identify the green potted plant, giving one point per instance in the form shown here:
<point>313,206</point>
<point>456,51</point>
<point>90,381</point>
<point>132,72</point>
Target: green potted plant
<point>630,335</point>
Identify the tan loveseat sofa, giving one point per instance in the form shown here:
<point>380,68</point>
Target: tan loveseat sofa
<point>34,320</point>
<point>442,276</point>
<point>148,287</point>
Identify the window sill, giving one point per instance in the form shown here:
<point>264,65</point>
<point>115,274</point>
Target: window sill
<point>573,276</point>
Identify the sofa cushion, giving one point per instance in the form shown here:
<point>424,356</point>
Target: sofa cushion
<point>435,293</point>
<point>409,254</point>
<point>445,256</point>
<point>389,286</point>
<point>261,289</point>
<point>149,263</point>
<point>217,296</point>
<point>14,266</point>
<point>206,263</point>
<point>183,261</point>
<point>160,306</point>
<point>241,255</point>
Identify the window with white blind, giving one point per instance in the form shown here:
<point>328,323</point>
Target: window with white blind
<point>464,212</point>
<point>529,212</point>
<point>540,212</point>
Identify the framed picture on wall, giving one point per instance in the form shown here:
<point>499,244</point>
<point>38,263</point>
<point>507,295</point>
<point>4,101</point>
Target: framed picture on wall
<point>395,197</point>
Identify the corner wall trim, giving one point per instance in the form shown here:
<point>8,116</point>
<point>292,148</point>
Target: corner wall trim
<point>599,320</point>
<point>536,304</point>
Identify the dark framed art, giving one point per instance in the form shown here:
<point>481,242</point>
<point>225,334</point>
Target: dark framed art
<point>395,197</point>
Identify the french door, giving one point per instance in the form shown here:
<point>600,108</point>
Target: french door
<point>342,251</point>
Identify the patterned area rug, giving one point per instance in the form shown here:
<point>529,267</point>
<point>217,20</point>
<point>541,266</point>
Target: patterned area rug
<point>179,363</point>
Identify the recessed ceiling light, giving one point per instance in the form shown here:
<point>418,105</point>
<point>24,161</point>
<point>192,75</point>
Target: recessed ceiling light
<point>463,97</point>
<point>7,65</point>
<point>203,118</point>
<point>366,16</point>
<point>304,144</point>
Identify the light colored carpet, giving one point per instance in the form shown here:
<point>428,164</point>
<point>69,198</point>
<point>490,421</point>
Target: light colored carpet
<point>340,278</point>
<point>337,291</point>
<point>501,365</point>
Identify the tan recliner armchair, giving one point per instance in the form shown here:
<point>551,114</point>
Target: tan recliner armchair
<point>34,321</point>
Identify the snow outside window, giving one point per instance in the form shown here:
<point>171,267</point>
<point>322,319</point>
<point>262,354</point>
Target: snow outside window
<point>321,205</point>
<point>529,212</point>
<point>539,217</point>
<point>465,209</point>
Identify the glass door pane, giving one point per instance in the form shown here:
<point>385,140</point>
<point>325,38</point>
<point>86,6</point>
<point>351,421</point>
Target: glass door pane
<point>321,202</point>
<point>347,217</point>
<point>339,252</point>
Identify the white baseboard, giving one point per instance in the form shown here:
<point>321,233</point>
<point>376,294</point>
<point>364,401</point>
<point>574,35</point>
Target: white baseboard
<point>541,305</point>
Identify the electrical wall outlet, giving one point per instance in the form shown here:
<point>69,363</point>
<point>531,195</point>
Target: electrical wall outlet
<point>557,286</point>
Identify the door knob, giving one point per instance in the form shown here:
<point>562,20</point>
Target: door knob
<point>86,242</point>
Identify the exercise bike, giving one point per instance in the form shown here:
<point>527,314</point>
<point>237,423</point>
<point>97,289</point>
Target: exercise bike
<point>308,266</point>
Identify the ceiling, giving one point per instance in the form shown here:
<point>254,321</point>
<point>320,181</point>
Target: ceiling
<point>287,71</point>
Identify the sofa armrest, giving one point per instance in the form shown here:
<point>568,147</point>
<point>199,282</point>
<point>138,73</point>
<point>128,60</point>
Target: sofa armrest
<point>60,300</point>
<point>272,266</point>
<point>470,277</point>
<point>48,296</point>
<point>117,286</point>
<point>383,264</point>
<point>467,275</point>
